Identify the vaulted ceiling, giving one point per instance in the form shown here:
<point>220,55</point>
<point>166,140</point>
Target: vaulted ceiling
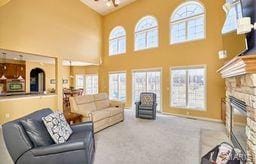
<point>101,7</point>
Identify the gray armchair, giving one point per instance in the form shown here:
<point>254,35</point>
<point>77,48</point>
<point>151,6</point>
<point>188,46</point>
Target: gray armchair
<point>79,149</point>
<point>146,107</point>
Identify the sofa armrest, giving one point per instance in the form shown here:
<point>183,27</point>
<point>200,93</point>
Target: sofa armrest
<point>118,104</point>
<point>85,126</point>
<point>58,148</point>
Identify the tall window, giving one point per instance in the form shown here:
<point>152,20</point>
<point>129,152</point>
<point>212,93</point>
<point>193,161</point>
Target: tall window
<point>91,84</point>
<point>233,15</point>
<point>117,86</point>
<point>79,81</point>
<point>117,41</point>
<point>188,87</point>
<point>188,22</point>
<point>146,33</point>
<point>87,82</point>
<point>147,81</point>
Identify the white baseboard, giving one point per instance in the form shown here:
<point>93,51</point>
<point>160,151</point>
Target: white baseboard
<point>193,117</point>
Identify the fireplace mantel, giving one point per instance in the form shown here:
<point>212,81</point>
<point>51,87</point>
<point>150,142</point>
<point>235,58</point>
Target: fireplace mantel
<point>239,65</point>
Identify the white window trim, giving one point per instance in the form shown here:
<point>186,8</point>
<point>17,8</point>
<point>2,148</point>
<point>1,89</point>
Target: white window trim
<point>205,87</point>
<point>146,33</point>
<point>185,19</point>
<point>118,39</point>
<point>76,80</point>
<point>161,83</point>
<point>118,72</point>
<point>91,75</point>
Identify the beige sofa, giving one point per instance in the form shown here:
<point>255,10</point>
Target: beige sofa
<point>99,109</point>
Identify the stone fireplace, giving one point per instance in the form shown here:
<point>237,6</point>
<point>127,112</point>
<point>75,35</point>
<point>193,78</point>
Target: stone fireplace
<point>240,79</point>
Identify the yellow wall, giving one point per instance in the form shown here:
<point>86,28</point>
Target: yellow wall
<point>234,44</point>
<point>17,108</point>
<point>65,29</point>
<point>203,52</point>
<point>57,28</point>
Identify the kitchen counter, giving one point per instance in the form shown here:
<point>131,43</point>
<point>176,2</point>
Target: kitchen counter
<point>10,97</point>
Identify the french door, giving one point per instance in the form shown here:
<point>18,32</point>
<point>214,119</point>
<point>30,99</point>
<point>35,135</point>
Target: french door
<point>147,81</point>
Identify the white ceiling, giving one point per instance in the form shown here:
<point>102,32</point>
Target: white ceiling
<point>101,7</point>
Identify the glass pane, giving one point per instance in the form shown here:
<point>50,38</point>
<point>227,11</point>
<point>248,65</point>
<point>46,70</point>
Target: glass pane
<point>79,81</point>
<point>113,47</point>
<point>196,88</point>
<point>154,85</point>
<point>196,29</point>
<point>117,86</point>
<point>117,32</point>
<point>152,38</point>
<point>121,45</point>
<point>188,10</point>
<point>146,23</point>
<point>140,41</point>
<point>178,88</point>
<point>122,87</point>
<point>178,32</point>
<point>91,85</point>
<point>139,84</point>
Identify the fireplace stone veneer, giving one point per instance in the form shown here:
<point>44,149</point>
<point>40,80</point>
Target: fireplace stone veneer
<point>240,80</point>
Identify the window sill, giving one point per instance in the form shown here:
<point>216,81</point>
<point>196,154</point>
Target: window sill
<point>188,41</point>
<point>191,109</point>
<point>145,49</point>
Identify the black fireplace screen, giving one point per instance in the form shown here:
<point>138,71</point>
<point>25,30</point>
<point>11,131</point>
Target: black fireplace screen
<point>238,123</point>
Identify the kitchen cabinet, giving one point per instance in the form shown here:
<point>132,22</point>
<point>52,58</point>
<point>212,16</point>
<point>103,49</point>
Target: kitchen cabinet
<point>13,71</point>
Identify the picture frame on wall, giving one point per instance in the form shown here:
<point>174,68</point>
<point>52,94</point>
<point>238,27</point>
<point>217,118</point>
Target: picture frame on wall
<point>65,81</point>
<point>52,81</point>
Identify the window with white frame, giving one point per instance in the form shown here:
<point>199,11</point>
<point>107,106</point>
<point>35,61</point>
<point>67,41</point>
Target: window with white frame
<point>146,33</point>
<point>188,87</point>
<point>117,86</point>
<point>79,81</point>
<point>117,41</point>
<point>233,15</point>
<point>187,22</point>
<point>87,82</point>
<point>91,84</point>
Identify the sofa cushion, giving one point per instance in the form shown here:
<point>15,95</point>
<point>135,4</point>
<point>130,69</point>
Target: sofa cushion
<point>89,107</point>
<point>100,96</point>
<point>114,111</point>
<point>100,114</point>
<point>84,99</point>
<point>57,127</point>
<point>102,104</point>
<point>37,132</point>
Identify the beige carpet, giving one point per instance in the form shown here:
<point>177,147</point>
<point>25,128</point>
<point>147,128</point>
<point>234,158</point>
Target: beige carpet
<point>167,140</point>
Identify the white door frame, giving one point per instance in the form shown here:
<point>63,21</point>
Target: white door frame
<point>161,81</point>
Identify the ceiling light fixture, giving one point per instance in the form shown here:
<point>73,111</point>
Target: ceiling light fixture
<point>109,3</point>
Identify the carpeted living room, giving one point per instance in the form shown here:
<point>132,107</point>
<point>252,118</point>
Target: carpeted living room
<point>127,81</point>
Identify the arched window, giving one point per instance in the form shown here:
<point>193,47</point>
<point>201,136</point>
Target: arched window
<point>146,33</point>
<point>188,22</point>
<point>117,41</point>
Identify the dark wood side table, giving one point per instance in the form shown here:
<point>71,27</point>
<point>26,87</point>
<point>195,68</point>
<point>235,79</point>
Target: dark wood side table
<point>73,117</point>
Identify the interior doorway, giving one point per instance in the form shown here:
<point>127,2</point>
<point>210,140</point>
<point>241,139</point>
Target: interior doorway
<point>37,80</point>
<point>147,81</point>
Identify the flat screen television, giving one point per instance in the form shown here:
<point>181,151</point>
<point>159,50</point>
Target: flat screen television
<point>249,10</point>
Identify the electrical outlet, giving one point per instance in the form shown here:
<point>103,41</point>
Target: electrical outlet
<point>7,115</point>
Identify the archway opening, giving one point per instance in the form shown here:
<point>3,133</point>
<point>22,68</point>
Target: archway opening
<point>37,80</point>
